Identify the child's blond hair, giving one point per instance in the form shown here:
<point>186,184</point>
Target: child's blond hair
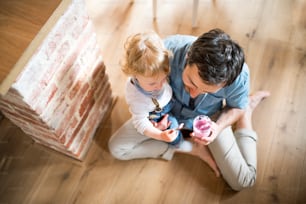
<point>145,55</point>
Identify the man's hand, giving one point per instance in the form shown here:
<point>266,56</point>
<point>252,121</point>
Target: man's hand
<point>215,130</point>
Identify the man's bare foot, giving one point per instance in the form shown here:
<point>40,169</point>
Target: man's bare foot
<point>204,154</point>
<point>256,98</point>
<point>246,120</point>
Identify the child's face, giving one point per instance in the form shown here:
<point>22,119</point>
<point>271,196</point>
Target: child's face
<point>154,83</point>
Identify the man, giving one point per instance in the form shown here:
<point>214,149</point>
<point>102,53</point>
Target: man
<point>208,77</point>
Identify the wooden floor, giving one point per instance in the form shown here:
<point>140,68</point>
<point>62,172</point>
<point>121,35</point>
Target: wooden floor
<point>19,23</point>
<point>273,35</point>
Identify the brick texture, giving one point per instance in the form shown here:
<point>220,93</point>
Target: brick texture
<point>63,92</point>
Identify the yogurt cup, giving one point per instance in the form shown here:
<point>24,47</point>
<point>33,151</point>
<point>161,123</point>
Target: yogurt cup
<point>201,126</point>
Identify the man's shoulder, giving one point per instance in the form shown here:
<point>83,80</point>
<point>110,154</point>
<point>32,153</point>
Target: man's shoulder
<point>243,76</point>
<point>180,37</point>
<point>179,46</point>
<point>179,40</point>
<point>245,73</point>
<point>241,84</point>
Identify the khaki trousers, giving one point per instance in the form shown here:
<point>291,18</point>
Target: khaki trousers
<point>234,153</point>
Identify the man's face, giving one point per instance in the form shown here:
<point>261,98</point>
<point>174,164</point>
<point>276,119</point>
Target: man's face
<point>194,84</point>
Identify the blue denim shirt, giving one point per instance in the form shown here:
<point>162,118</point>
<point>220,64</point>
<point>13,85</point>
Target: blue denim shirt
<point>235,95</point>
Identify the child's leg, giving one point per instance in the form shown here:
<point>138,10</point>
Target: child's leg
<point>126,143</point>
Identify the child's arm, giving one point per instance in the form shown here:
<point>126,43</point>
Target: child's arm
<point>165,135</point>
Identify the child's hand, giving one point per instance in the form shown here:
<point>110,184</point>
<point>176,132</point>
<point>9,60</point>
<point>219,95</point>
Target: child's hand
<point>163,124</point>
<point>172,134</point>
<point>169,135</point>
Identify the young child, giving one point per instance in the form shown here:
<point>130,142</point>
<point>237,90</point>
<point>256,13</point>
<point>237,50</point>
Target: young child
<point>148,93</point>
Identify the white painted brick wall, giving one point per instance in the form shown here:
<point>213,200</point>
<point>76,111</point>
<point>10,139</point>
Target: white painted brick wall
<point>63,92</point>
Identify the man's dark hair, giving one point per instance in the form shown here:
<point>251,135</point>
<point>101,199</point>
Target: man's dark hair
<point>218,58</point>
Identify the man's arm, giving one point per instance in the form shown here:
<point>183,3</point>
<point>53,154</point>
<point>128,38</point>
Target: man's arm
<point>227,117</point>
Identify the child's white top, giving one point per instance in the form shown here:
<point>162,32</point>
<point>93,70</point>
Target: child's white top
<point>141,105</point>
